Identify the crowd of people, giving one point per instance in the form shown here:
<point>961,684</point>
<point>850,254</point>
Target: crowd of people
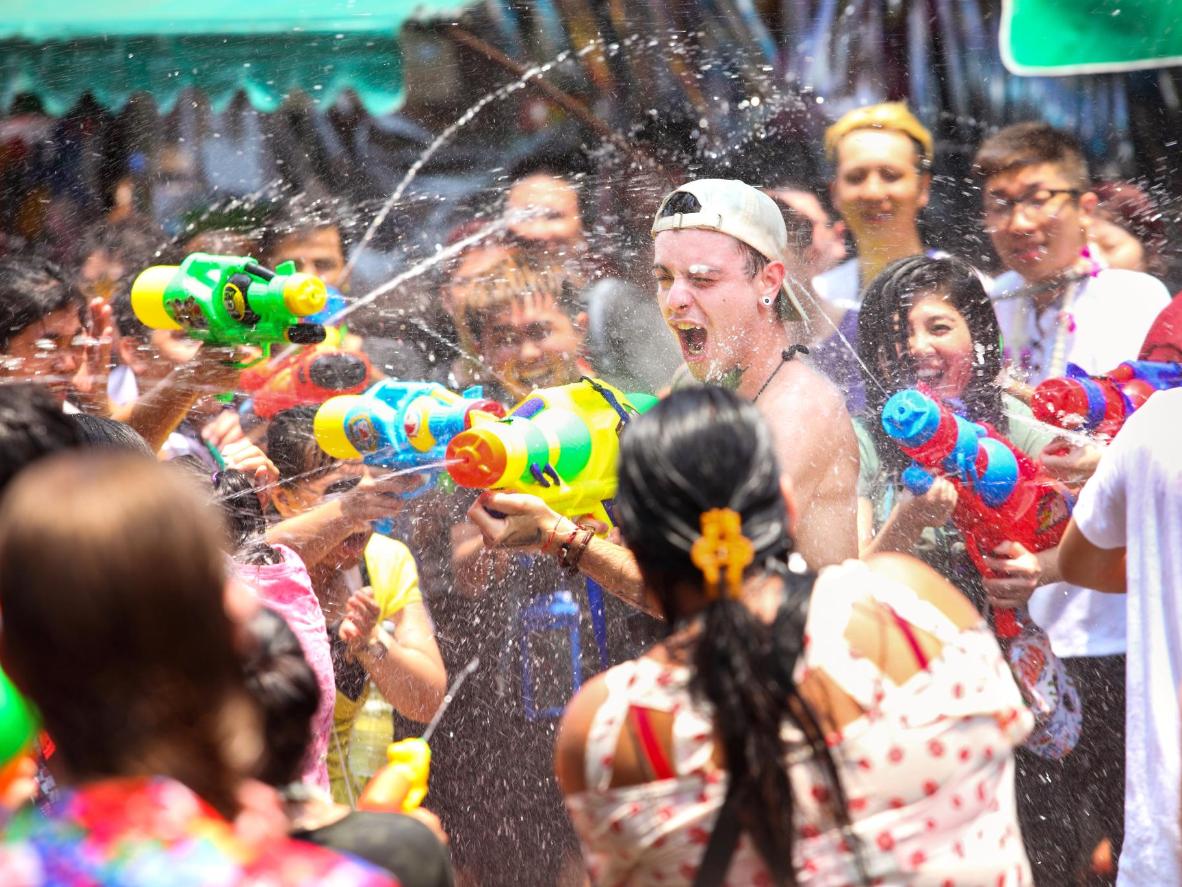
<point>780,662</point>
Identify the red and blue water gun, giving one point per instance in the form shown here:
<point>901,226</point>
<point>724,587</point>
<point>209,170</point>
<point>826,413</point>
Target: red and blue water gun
<point>1002,495</point>
<point>1101,404</point>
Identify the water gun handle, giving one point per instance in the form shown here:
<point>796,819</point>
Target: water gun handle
<point>918,481</point>
<point>1005,623</point>
<point>401,785</point>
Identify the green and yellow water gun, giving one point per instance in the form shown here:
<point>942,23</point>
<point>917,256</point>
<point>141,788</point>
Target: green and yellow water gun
<point>231,300</point>
<point>560,444</point>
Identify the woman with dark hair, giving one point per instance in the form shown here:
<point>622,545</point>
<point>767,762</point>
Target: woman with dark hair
<point>278,576</point>
<point>929,322</point>
<point>122,629</point>
<point>1128,229</point>
<point>364,581</point>
<point>285,688</point>
<point>769,741</point>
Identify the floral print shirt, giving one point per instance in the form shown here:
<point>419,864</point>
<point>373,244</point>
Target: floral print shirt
<point>149,832</point>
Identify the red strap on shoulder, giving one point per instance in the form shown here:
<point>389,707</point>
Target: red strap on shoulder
<point>657,760</point>
<point>909,633</point>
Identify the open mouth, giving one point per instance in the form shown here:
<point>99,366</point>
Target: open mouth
<point>352,547</point>
<point>692,338</point>
<point>1028,254</point>
<point>929,375</point>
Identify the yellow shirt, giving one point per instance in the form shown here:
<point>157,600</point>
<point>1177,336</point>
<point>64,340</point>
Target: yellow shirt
<point>394,580</point>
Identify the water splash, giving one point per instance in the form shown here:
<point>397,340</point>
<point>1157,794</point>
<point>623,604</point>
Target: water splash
<point>447,134</point>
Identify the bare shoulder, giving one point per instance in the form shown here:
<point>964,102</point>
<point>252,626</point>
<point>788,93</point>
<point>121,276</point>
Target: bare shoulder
<point>571,743</point>
<point>804,407</point>
<point>927,583</point>
<point>800,390</point>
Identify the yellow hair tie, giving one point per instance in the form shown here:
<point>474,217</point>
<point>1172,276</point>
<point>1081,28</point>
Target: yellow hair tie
<point>722,545</point>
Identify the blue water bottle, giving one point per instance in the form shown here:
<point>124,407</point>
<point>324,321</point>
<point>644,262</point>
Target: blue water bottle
<point>551,667</point>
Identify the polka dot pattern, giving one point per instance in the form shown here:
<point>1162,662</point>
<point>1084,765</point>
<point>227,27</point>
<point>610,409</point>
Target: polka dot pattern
<point>928,769</point>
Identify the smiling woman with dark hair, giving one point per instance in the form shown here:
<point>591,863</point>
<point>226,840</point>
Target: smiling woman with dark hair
<point>929,321</point>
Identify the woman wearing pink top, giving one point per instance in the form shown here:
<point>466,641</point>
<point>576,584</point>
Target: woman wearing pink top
<point>280,579</point>
<point>868,739</point>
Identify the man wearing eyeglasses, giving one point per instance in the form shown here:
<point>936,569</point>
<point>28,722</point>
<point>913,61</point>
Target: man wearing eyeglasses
<point>1057,304</point>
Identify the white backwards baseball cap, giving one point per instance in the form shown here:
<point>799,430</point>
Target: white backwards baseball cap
<point>745,213</point>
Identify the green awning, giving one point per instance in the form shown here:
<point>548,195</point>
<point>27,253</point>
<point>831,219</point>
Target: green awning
<point>1051,37</point>
<point>60,49</point>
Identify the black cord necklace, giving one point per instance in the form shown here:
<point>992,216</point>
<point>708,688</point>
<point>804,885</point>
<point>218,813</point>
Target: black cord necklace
<point>786,355</point>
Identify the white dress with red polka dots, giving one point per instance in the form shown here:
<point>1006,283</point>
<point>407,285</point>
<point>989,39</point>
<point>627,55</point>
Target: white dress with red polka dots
<point>928,770</point>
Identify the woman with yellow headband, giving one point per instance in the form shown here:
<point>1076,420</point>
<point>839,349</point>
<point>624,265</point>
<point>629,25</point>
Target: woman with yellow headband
<point>868,739</point>
<point>882,173</point>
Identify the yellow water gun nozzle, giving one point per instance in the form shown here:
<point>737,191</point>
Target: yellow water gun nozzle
<point>304,294</point>
<point>147,297</point>
<point>330,429</point>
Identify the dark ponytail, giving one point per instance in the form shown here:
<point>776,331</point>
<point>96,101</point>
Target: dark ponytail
<point>699,449</point>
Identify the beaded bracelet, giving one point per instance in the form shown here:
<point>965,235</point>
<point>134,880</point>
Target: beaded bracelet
<point>571,551</point>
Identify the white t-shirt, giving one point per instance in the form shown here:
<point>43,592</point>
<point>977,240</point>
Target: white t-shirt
<point>840,286</point>
<point>1109,317</point>
<point>1135,501</point>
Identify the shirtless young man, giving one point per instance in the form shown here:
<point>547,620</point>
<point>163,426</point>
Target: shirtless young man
<point>717,259</point>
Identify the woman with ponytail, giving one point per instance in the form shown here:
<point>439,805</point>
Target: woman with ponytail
<point>865,740</point>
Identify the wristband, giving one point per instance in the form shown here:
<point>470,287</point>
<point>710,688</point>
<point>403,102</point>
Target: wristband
<point>550,539</point>
<point>571,551</point>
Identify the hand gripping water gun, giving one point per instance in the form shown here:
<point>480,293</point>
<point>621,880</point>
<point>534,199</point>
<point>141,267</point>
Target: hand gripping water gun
<point>399,424</point>
<point>560,444</point>
<point>1101,404</point>
<point>1001,494</point>
<point>309,376</point>
<point>230,300</point>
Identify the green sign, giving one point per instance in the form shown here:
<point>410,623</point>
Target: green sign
<point>1059,37</point>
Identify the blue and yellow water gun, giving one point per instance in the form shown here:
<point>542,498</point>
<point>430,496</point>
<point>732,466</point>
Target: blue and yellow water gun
<point>400,425</point>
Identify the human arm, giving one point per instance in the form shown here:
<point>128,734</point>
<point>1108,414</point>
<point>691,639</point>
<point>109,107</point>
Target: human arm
<point>156,414</point>
<point>1069,462</point>
<point>907,520</point>
<point>317,531</point>
<point>570,746</point>
<point>1094,547</point>
<point>1018,572</point>
<point>1084,563</point>
<point>526,523</point>
<point>88,387</point>
<point>244,456</point>
<point>405,666</point>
